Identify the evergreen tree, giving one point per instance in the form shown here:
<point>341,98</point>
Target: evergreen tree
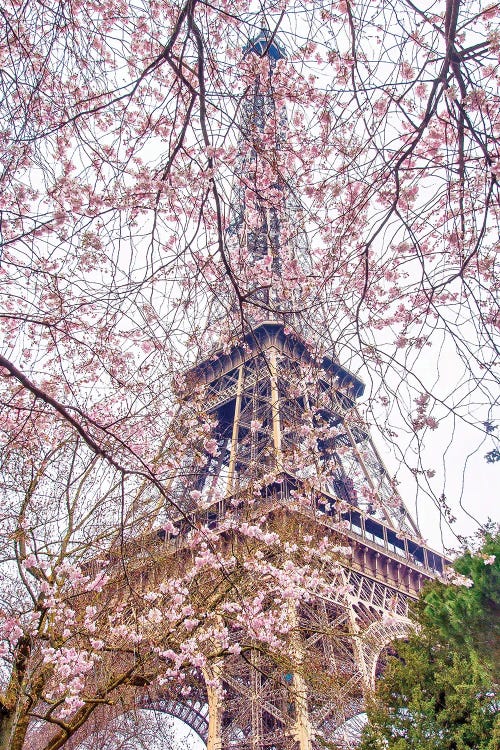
<point>440,692</point>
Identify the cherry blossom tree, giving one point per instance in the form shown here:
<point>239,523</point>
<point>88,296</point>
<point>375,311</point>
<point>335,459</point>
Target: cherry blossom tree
<point>121,144</point>
<point>89,618</point>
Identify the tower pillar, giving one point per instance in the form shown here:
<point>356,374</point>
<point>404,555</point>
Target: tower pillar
<point>215,704</point>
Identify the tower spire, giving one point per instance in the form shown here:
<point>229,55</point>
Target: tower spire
<point>260,232</point>
<point>265,44</point>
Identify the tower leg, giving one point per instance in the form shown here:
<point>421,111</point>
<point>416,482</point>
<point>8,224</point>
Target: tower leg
<point>214,688</point>
<point>256,712</point>
<point>302,729</point>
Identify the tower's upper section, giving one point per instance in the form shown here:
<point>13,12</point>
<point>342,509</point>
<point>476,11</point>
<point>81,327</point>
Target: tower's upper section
<point>265,238</point>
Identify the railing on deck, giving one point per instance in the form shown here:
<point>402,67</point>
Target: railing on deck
<point>352,522</point>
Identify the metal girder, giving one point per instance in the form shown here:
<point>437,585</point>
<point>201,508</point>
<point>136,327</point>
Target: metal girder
<point>193,713</point>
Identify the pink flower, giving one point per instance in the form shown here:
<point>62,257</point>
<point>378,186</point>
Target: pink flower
<point>170,528</point>
<point>155,615</point>
<point>457,579</point>
<point>30,562</point>
<point>407,71</point>
<point>71,703</point>
<point>389,619</point>
<point>210,445</point>
<point>98,583</point>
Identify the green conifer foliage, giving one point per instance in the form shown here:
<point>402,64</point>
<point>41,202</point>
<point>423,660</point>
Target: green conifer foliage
<point>441,690</point>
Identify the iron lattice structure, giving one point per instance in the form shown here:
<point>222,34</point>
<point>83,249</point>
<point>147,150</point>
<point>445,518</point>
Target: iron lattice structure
<point>290,438</point>
<point>253,395</point>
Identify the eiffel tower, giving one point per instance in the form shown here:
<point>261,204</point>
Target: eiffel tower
<point>287,434</point>
<point>289,445</point>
